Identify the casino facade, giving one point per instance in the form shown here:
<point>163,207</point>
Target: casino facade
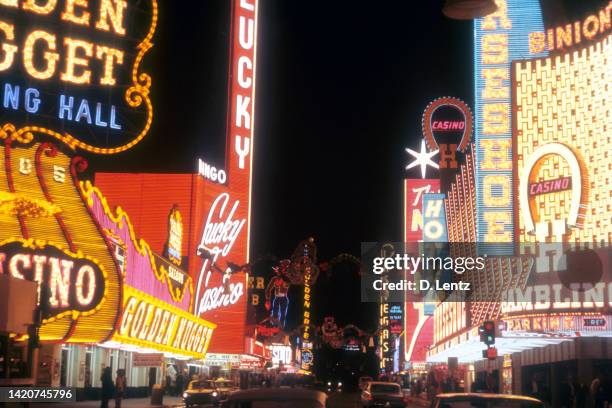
<point>534,195</point>
<point>142,272</point>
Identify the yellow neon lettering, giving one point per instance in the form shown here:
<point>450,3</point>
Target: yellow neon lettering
<point>590,27</point>
<point>74,15</point>
<point>111,56</point>
<point>496,118</point>
<point>496,201</point>
<point>499,19</point>
<point>496,154</point>
<point>496,223</point>
<point>72,60</point>
<point>493,83</point>
<point>495,49</point>
<point>113,10</point>
<point>49,56</point>
<point>564,36</point>
<point>34,6</point>
<point>8,49</point>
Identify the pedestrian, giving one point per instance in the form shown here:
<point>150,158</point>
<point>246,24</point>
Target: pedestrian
<point>107,387</point>
<point>567,393</point>
<point>180,381</point>
<point>581,392</point>
<point>120,386</point>
<point>597,392</point>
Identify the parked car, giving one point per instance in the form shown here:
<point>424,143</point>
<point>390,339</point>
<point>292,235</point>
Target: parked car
<point>461,400</point>
<point>382,394</point>
<point>276,398</point>
<point>363,381</point>
<point>207,392</point>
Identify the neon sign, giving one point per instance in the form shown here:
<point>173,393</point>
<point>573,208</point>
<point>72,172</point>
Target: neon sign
<point>568,204</point>
<point>150,323</point>
<point>75,75</point>
<point>41,243</point>
<point>175,236</point>
<point>211,172</point>
<point>550,186</point>
<point>414,189</point>
<point>221,238</point>
<point>417,325</point>
<point>434,218</point>
<point>218,238</point>
<point>569,35</point>
<point>500,38</point>
<point>307,356</point>
<point>430,125</point>
<point>447,125</point>
<point>76,283</point>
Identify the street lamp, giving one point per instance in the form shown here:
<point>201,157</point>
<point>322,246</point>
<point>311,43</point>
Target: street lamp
<point>468,9</point>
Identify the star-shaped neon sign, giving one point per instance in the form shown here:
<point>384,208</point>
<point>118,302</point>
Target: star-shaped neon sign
<point>422,158</point>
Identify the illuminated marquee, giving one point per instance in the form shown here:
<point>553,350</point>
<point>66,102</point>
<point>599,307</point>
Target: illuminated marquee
<point>500,38</point>
<point>572,324</point>
<point>220,237</point>
<point>42,243</point>
<point>73,71</point>
<point>149,323</point>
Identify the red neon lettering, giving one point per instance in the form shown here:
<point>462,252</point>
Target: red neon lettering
<point>446,125</point>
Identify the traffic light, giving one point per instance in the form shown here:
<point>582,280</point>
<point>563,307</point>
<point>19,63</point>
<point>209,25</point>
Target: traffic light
<point>487,332</point>
<point>490,353</point>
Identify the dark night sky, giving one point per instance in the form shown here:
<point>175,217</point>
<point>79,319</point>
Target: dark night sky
<point>341,86</point>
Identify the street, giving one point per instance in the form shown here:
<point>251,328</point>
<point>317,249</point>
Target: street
<point>335,400</point>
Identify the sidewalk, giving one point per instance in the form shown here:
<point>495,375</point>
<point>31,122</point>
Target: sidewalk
<point>127,403</point>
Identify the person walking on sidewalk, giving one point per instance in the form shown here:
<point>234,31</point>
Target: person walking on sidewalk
<point>107,387</point>
<point>120,386</point>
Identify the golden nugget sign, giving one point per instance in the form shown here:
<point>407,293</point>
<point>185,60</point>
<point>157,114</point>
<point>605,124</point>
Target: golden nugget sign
<point>72,70</point>
<point>49,236</point>
<point>75,282</point>
<point>150,323</point>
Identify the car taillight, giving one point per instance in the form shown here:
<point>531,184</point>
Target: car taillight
<point>367,396</point>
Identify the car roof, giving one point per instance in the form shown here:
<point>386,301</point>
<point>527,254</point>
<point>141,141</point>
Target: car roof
<point>383,383</point>
<point>483,395</point>
<point>279,394</point>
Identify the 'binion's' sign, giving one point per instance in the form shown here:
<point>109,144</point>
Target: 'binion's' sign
<point>72,70</point>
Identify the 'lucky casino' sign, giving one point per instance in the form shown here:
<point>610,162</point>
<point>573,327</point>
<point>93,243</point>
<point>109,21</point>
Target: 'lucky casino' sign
<point>221,237</point>
<point>72,70</point>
